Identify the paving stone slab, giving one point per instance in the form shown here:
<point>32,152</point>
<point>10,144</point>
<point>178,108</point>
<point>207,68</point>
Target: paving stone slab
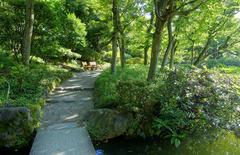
<point>67,141</point>
<point>58,133</point>
<point>69,96</point>
<point>84,80</point>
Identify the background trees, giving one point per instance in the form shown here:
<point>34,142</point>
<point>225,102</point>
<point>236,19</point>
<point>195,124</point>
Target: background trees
<point>186,32</point>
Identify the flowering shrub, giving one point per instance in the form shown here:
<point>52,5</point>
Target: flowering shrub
<point>195,101</point>
<point>176,105</point>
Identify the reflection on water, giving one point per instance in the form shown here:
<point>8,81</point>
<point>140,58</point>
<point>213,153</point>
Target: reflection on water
<point>227,145</point>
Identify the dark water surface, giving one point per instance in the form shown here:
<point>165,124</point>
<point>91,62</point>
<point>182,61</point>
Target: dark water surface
<point>228,145</point>
<point>24,151</point>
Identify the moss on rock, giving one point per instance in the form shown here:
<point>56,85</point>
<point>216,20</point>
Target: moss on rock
<point>16,127</point>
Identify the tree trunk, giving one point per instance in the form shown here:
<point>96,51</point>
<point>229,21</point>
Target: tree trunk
<point>173,51</point>
<point>28,31</point>
<point>115,36</point>
<point>156,44</point>
<point>192,52</point>
<point>217,51</point>
<point>170,44</point>
<point>203,52</point>
<point>121,39</point>
<point>122,50</point>
<point>146,54</point>
<point>147,40</point>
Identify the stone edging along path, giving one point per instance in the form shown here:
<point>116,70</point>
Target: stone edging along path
<point>69,103</point>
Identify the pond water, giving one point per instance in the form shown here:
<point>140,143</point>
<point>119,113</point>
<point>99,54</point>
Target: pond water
<point>228,145</point>
<point>24,151</point>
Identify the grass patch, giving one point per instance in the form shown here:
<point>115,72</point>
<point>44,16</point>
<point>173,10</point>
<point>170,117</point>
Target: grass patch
<point>229,70</point>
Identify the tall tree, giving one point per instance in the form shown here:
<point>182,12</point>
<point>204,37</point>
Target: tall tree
<point>172,52</point>
<point>165,9</point>
<point>115,36</point>
<point>161,11</point>
<point>128,12</point>
<point>147,45</point>
<point>121,38</point>
<point>170,43</point>
<point>28,31</point>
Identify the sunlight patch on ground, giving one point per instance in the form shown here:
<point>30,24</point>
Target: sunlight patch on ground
<point>71,117</point>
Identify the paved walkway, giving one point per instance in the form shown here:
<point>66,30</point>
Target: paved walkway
<point>59,133</point>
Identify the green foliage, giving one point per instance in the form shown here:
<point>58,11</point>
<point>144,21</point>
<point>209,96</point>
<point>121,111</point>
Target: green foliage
<point>135,60</point>
<point>60,36</point>
<point>89,54</point>
<point>105,85</point>
<point>28,83</point>
<point>56,53</point>
<point>229,70</point>
<point>107,56</point>
<point>75,32</point>
<point>176,105</point>
<point>137,97</point>
<point>135,52</point>
<point>11,26</point>
<point>228,62</point>
<point>197,101</point>
<point>27,86</point>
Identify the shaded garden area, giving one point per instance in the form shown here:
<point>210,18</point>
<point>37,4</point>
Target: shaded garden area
<point>170,68</point>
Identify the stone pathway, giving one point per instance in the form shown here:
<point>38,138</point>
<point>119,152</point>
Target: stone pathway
<point>59,133</point>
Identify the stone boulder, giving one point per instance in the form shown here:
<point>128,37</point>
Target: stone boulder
<point>104,124</point>
<point>15,127</point>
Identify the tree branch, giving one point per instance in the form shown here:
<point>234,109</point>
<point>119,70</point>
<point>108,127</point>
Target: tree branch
<point>187,12</point>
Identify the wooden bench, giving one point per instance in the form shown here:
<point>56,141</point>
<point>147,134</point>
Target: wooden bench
<point>93,65</point>
<point>86,66</point>
<point>90,66</point>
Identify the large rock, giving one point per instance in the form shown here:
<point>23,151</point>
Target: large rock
<point>104,124</point>
<point>15,127</point>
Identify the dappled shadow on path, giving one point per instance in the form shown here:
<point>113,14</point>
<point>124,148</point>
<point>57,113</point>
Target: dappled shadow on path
<point>71,101</point>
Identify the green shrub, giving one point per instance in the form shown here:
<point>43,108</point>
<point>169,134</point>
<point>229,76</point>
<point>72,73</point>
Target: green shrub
<point>36,111</point>
<point>55,52</point>
<point>137,97</point>
<point>29,82</point>
<point>22,86</point>
<point>176,105</point>
<point>105,90</point>
<point>28,85</point>
<point>89,54</point>
<point>105,85</point>
<point>196,101</point>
